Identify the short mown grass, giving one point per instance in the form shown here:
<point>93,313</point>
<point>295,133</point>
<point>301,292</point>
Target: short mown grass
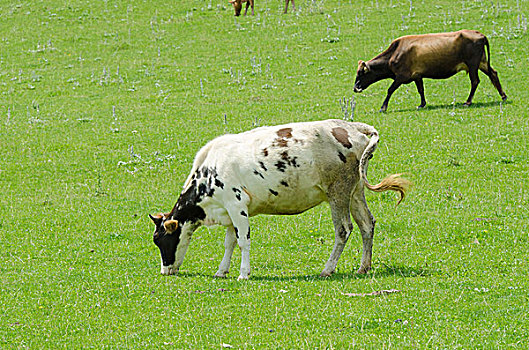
<point>104,105</point>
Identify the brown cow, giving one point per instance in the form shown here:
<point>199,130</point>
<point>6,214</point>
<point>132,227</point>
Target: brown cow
<point>237,5</point>
<point>436,56</point>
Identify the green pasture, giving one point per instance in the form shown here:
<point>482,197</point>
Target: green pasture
<point>103,105</point>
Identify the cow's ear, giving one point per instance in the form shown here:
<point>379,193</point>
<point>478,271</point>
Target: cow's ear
<point>170,226</point>
<point>231,1</point>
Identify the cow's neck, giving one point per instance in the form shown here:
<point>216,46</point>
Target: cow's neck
<point>186,208</point>
<point>380,67</point>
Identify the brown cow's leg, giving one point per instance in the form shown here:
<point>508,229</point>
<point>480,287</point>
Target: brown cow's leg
<point>394,86</point>
<point>493,76</point>
<point>248,4</point>
<point>420,89</point>
<point>474,82</point>
<point>286,6</point>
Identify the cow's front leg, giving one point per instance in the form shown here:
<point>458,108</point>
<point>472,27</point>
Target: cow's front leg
<point>394,86</point>
<point>185,239</point>
<point>241,226</point>
<point>229,245</point>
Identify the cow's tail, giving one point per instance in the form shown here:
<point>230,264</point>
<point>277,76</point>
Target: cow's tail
<point>392,182</point>
<point>488,53</point>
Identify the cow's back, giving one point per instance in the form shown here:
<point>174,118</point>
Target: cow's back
<point>287,169</point>
<point>438,55</point>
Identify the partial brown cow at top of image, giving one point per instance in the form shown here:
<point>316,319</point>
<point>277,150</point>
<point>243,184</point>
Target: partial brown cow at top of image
<point>237,5</point>
<point>436,56</point>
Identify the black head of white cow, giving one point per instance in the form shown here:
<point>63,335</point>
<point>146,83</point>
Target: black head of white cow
<point>166,237</point>
<point>173,231</point>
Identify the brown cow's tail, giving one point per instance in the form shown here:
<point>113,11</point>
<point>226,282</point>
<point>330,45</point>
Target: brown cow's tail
<point>488,53</point>
<point>392,182</point>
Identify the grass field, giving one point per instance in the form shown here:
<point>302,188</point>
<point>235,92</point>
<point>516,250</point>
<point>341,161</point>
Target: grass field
<point>103,105</point>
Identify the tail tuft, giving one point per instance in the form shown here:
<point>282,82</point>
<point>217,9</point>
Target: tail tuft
<point>391,183</point>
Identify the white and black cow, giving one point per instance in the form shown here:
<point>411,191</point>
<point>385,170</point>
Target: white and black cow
<point>279,170</point>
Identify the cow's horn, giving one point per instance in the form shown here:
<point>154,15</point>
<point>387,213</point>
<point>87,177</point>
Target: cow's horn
<point>156,219</point>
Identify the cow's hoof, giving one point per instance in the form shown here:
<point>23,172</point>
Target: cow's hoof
<point>242,278</point>
<point>169,270</point>
<point>421,106</point>
<point>363,270</point>
<point>221,274</point>
<point>504,98</point>
<point>326,273</point>
<point>466,104</point>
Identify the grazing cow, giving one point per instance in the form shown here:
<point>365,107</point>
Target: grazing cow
<point>276,170</point>
<point>436,56</point>
<point>286,5</point>
<point>237,5</point>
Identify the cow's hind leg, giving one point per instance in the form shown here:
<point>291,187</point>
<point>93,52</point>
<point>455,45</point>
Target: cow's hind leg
<point>493,76</point>
<point>366,223</point>
<point>248,4</point>
<point>341,219</point>
<point>420,88</point>
<point>229,245</point>
<point>474,82</point>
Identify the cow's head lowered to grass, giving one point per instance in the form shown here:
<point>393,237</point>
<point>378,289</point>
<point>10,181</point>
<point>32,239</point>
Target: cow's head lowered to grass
<point>166,237</point>
<point>365,76</point>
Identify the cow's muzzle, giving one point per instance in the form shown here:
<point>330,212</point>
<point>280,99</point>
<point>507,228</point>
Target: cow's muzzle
<point>357,89</point>
<point>169,270</point>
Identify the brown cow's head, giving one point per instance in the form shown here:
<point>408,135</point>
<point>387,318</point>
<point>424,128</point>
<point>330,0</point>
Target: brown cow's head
<point>364,77</point>
<point>237,5</point>
<point>166,237</point>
